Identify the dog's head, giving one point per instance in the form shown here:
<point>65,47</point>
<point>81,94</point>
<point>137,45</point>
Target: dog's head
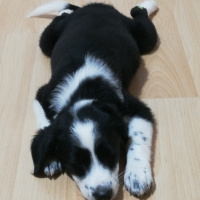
<point>86,140</point>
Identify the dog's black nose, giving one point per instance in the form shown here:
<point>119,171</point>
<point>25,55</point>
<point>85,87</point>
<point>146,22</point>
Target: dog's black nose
<point>103,193</point>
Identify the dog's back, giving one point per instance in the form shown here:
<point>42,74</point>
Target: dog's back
<point>95,29</point>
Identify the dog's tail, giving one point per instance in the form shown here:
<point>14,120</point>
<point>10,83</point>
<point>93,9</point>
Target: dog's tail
<point>54,6</point>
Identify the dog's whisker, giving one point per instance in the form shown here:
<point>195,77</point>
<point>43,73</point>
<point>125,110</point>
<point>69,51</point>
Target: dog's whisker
<point>121,178</point>
<point>121,175</point>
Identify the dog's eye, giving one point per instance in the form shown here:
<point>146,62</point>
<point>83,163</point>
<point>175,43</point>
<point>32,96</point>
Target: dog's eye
<point>80,162</point>
<point>107,155</point>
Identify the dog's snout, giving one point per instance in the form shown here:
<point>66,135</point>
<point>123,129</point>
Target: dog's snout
<point>103,193</point>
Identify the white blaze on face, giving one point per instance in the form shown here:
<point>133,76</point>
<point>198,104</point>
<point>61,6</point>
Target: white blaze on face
<point>97,175</point>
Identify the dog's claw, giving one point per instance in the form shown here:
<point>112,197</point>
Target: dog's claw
<point>60,166</point>
<point>46,171</point>
<point>53,168</point>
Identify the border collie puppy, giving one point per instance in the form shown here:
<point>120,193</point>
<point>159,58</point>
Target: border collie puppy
<point>85,110</point>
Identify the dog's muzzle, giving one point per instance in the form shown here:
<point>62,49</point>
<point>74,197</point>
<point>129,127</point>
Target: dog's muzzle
<point>103,193</point>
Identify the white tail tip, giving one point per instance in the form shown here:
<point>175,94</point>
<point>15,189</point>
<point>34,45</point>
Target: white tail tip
<point>53,6</point>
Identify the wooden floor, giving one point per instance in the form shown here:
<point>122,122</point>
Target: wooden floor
<point>168,81</point>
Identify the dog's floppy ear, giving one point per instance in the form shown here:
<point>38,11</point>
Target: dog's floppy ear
<point>120,128</point>
<point>43,148</point>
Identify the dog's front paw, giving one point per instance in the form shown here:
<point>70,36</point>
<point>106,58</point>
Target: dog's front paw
<point>53,168</point>
<point>138,181</point>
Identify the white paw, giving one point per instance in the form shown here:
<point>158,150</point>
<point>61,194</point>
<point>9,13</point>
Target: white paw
<point>40,115</point>
<point>53,168</point>
<point>150,5</point>
<point>138,181</point>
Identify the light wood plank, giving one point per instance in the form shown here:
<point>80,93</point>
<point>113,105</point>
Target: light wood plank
<point>169,81</point>
<point>166,72</point>
<point>187,17</point>
<point>15,82</point>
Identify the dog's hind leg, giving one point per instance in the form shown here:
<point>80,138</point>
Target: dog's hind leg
<point>51,34</point>
<point>143,29</point>
<point>138,176</point>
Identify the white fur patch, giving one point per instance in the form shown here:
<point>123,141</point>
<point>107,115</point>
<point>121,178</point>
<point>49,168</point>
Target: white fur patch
<point>40,115</point>
<point>53,6</point>
<point>84,131</point>
<point>98,175</point>
<point>138,176</point>
<point>150,5</point>
<point>92,68</point>
<point>80,104</point>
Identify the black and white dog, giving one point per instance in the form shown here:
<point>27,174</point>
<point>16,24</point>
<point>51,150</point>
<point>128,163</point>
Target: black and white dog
<point>85,111</point>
